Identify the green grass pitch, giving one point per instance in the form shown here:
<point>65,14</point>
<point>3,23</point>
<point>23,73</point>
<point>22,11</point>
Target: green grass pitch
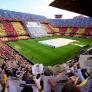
<point>38,53</point>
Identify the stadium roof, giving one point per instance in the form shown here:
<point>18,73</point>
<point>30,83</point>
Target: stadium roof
<point>79,6</point>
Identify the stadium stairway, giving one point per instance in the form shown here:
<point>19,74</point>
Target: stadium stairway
<point>50,28</point>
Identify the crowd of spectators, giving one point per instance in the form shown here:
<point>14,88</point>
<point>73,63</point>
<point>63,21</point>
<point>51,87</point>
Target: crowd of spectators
<point>76,22</point>
<point>12,30</point>
<point>16,75</point>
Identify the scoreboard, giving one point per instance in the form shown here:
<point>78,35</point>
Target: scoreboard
<point>58,16</point>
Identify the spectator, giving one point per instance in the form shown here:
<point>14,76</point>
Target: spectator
<point>1,87</point>
<point>85,73</point>
<point>69,87</point>
<point>77,71</point>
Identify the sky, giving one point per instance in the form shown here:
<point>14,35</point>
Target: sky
<point>39,7</point>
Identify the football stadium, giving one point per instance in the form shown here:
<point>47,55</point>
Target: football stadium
<point>40,54</point>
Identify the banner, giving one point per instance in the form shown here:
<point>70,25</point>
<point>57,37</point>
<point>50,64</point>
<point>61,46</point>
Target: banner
<point>37,69</point>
